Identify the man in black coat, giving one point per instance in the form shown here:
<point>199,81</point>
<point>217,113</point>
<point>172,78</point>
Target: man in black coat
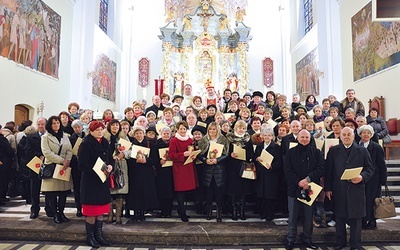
<point>302,164</point>
<point>33,148</point>
<point>157,106</point>
<point>6,158</point>
<point>348,195</point>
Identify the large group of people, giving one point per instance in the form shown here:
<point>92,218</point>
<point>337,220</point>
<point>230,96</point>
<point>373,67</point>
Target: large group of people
<point>206,149</point>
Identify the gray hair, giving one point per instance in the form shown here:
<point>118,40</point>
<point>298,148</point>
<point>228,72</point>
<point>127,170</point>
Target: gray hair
<point>166,128</point>
<point>267,130</point>
<point>77,123</point>
<point>365,127</point>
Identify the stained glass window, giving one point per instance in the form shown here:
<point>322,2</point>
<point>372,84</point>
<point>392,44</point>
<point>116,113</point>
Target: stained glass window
<point>308,15</point>
<point>103,17</point>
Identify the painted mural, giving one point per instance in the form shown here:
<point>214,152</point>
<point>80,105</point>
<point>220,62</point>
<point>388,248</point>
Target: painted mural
<point>376,45</point>
<point>104,78</point>
<point>30,35</point>
<point>307,80</point>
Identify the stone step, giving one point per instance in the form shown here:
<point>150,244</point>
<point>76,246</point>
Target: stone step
<point>393,178</point>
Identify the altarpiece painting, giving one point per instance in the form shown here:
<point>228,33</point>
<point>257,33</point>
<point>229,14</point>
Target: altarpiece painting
<point>307,75</point>
<point>104,78</point>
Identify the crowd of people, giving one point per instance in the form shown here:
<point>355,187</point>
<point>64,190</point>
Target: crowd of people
<point>205,149</point>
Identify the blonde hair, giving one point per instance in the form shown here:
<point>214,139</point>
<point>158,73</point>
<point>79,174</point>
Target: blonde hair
<point>240,124</point>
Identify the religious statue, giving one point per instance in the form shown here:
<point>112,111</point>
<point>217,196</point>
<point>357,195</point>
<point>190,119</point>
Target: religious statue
<point>224,23</point>
<point>240,13</point>
<point>178,83</point>
<point>232,82</point>
<point>187,22</point>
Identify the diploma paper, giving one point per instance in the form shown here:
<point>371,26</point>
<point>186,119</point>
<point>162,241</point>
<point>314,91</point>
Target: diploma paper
<point>380,142</point>
<point>160,113</point>
<point>330,143</point>
<point>97,168</point>
<point>164,155</point>
<point>229,116</point>
<point>314,192</point>
<point>160,126</point>
<point>203,124</point>
<point>320,125</point>
<point>191,157</point>
<point>125,144</point>
<point>292,145</point>
<point>259,116</point>
<point>215,150</point>
<point>241,152</point>
<point>272,123</point>
<point>35,164</point>
<point>266,158</point>
<point>61,174</point>
<point>176,119</point>
<point>351,173</point>
<point>319,143</point>
<point>136,149</point>
<point>76,146</point>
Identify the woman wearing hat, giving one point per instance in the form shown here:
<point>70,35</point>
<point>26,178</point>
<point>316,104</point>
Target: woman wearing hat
<point>378,179</point>
<point>142,193</point>
<point>213,177</point>
<point>113,134</point>
<point>164,179</point>
<point>197,134</point>
<point>95,193</point>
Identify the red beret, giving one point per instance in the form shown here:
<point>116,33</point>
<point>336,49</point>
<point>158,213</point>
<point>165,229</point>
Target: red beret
<point>95,125</point>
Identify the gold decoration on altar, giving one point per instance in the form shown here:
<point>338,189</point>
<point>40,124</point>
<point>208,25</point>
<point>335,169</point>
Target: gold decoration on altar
<point>167,46</point>
<point>244,69</point>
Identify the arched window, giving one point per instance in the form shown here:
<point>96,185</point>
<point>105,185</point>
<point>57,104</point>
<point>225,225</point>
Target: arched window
<point>308,15</point>
<point>103,17</point>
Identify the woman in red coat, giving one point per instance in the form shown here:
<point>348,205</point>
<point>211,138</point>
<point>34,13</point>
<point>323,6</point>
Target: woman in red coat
<point>184,175</point>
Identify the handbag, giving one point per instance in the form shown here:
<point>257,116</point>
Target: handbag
<point>46,171</point>
<point>384,206</point>
<point>117,177</point>
<point>248,171</point>
<point>386,139</point>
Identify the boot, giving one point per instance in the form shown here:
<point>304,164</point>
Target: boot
<point>118,212</point>
<point>79,211</point>
<point>234,211</point>
<point>209,213</point>
<point>219,214</point>
<point>242,208</point>
<point>98,233</point>
<point>110,214</point>
<point>90,240</point>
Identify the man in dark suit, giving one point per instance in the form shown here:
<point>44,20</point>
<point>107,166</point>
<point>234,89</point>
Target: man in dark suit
<point>157,106</point>
<point>295,127</point>
<point>348,195</point>
<point>33,148</point>
<point>302,164</point>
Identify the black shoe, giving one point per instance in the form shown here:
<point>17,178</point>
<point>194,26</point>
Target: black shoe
<point>289,246</point>
<point>34,215</point>
<point>184,218</point>
<point>98,233</point>
<point>63,217</point>
<point>79,213</point>
<point>370,225</point>
<point>309,244</point>
<point>49,214</point>
<point>339,247</point>
<point>90,240</point>
<point>57,219</point>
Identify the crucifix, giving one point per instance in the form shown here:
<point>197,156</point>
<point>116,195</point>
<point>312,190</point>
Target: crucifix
<point>205,15</point>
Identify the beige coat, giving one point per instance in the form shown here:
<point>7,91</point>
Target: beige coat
<point>50,148</point>
<point>124,165</point>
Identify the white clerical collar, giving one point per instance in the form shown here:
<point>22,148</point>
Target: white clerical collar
<point>266,145</point>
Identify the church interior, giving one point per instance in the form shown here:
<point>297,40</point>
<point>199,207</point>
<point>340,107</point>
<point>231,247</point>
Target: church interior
<point>155,48</point>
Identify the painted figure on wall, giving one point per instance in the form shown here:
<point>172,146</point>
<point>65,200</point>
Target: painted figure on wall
<point>307,80</point>
<point>179,82</point>
<point>29,34</point>
<point>104,78</point>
